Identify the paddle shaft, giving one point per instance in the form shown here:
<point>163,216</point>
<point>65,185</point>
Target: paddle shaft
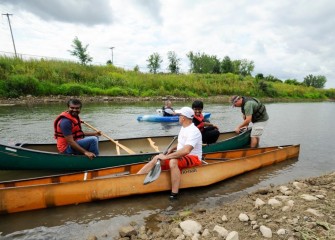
<point>156,170</point>
<point>128,150</point>
<point>168,147</point>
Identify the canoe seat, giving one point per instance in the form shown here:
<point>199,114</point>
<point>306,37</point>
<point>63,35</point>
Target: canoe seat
<point>152,144</point>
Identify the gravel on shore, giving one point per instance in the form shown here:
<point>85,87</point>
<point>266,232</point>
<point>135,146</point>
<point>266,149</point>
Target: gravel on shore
<point>302,209</point>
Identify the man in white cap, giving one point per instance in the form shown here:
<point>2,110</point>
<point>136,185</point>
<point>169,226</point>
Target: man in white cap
<point>186,154</point>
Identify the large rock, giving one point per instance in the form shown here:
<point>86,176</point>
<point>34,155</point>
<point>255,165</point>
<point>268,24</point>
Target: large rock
<point>308,197</point>
<point>221,231</point>
<point>232,236</point>
<point>243,217</point>
<point>190,227</point>
<point>127,231</point>
<point>274,202</point>
<point>266,232</point>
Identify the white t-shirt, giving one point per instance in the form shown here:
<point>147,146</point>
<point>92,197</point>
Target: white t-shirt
<point>190,135</point>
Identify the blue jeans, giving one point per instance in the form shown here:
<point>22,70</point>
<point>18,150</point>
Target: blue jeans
<point>90,143</point>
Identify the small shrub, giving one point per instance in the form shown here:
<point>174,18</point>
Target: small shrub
<point>73,89</point>
<point>116,91</point>
<point>20,85</point>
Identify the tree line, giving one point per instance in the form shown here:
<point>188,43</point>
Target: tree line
<point>203,63</point>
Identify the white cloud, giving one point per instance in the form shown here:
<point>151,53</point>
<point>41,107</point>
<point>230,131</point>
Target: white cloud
<point>74,11</point>
<point>285,39</point>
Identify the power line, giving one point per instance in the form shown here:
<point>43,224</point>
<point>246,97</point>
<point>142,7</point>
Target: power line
<point>11,32</point>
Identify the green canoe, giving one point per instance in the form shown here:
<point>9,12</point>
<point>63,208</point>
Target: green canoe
<point>45,156</point>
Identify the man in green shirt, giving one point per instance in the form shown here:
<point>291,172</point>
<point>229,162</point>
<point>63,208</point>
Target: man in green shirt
<point>253,112</point>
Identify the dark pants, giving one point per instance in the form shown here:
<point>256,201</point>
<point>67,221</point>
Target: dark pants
<point>210,135</point>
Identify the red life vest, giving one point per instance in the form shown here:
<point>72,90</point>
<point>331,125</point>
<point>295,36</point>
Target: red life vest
<point>77,133</point>
<point>199,122</point>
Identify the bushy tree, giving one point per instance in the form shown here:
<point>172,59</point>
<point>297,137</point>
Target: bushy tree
<point>227,65</point>
<point>80,52</point>
<point>267,89</point>
<point>236,66</point>
<point>174,62</point>
<point>154,62</point>
<point>292,82</point>
<point>271,78</point>
<point>136,68</point>
<point>246,67</point>
<point>203,63</point>
<point>259,76</point>
<point>315,81</point>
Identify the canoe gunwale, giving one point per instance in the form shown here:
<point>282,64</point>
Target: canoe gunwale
<point>23,146</point>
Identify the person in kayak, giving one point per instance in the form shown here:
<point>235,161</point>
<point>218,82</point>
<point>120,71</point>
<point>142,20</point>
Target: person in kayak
<point>167,109</point>
<point>186,154</point>
<point>69,135</point>
<point>210,132</point>
<point>254,112</point>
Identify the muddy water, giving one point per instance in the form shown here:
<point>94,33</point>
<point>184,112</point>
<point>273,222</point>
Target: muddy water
<point>310,124</point>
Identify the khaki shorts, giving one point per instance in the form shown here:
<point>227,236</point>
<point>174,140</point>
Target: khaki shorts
<point>258,129</point>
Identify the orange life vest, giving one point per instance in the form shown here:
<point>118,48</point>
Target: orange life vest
<point>77,133</point>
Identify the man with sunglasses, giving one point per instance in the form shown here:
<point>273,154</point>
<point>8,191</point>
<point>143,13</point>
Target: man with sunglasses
<point>69,135</point>
<point>253,112</point>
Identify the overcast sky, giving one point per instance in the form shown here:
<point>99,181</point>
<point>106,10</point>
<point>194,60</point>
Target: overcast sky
<point>287,39</point>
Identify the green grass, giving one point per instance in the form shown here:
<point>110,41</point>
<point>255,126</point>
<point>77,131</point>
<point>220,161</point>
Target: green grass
<point>49,77</point>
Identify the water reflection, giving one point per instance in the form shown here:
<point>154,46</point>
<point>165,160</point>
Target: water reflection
<point>167,126</point>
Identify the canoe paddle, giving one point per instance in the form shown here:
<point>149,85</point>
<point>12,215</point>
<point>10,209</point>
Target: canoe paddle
<point>128,150</point>
<point>156,170</point>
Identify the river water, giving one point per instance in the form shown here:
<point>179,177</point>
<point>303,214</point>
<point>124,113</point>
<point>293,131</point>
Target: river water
<point>309,124</point>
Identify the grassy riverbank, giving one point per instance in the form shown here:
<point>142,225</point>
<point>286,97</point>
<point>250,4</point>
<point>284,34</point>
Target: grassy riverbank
<point>42,78</point>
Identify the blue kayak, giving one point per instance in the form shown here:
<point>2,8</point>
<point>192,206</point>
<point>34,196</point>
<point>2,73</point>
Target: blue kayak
<point>159,118</point>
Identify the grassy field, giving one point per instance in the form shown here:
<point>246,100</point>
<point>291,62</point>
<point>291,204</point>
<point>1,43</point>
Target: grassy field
<point>46,77</point>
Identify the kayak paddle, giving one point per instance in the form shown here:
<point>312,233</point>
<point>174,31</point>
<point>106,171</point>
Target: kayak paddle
<point>169,111</point>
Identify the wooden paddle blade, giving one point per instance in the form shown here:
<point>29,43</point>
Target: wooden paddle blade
<point>153,174</point>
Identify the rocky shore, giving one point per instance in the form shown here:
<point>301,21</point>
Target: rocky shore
<point>24,100</point>
<point>27,100</point>
<point>302,209</point>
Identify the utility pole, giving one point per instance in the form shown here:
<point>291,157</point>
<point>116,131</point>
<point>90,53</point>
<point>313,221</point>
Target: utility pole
<point>10,27</point>
<point>111,48</point>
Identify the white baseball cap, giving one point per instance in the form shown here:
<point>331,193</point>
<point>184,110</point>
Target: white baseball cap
<point>186,111</point>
